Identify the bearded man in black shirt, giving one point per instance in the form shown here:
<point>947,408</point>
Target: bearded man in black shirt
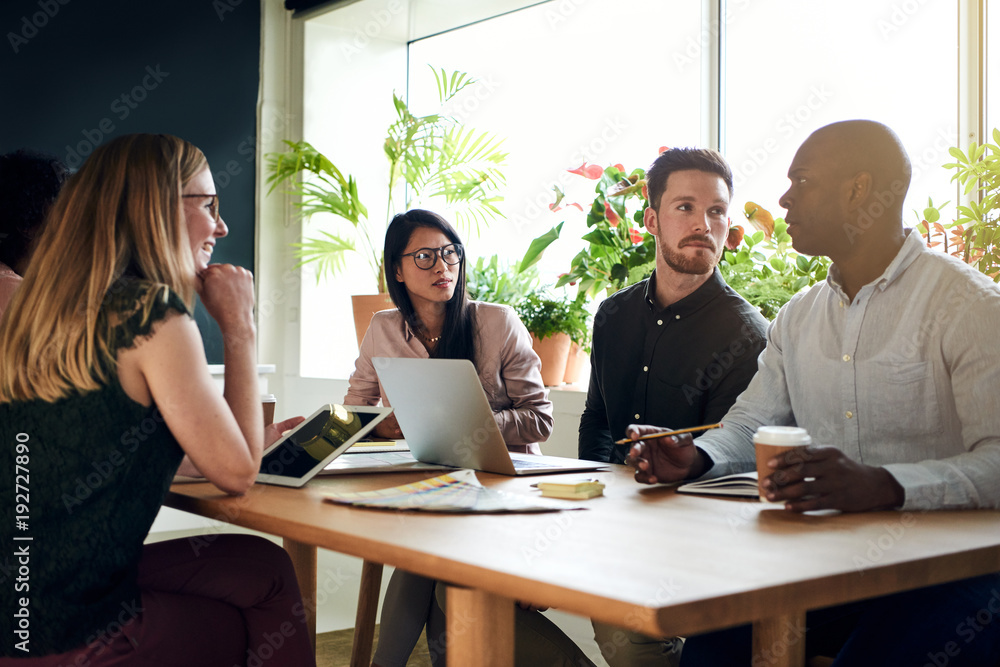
<point>675,349</point>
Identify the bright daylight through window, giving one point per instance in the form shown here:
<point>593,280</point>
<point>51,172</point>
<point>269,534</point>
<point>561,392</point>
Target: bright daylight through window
<point>607,82</point>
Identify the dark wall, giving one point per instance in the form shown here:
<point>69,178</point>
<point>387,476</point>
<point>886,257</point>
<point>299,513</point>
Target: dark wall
<point>74,73</point>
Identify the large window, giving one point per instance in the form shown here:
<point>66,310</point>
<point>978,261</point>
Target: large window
<point>610,81</point>
<point>792,67</point>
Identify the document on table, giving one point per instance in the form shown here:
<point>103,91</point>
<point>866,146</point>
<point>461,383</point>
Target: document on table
<point>459,491</point>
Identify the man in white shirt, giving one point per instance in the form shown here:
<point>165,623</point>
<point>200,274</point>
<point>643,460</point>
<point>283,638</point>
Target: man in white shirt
<point>893,367</point>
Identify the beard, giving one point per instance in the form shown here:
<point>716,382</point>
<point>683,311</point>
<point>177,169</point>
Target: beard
<point>698,265</point>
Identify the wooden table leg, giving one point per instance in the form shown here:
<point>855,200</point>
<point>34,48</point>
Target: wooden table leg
<point>480,628</point>
<point>304,561</point>
<point>364,622</point>
<point>780,641</point>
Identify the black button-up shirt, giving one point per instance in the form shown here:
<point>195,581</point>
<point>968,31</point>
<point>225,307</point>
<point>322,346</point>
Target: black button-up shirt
<point>674,367</point>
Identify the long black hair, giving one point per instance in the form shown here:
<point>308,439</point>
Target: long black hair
<point>458,338</point>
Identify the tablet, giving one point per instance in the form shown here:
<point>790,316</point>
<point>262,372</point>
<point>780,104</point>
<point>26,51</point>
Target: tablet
<point>302,452</point>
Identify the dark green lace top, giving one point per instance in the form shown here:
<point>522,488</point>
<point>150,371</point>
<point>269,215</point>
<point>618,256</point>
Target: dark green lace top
<point>98,466</point>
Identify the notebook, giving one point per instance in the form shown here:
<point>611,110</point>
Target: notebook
<point>447,420</point>
<point>742,484</point>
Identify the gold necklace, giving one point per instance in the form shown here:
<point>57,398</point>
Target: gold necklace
<point>430,340</point>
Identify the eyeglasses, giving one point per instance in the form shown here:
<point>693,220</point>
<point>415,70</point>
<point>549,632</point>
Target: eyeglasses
<point>426,258</point>
<point>213,208</point>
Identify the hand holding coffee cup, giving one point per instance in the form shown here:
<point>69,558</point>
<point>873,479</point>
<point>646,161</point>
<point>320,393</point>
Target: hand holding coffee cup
<point>771,441</point>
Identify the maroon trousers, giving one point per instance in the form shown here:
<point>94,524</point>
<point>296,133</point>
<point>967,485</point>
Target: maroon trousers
<point>212,601</point>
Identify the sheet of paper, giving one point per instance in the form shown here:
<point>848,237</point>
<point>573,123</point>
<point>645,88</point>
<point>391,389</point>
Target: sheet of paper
<point>459,491</point>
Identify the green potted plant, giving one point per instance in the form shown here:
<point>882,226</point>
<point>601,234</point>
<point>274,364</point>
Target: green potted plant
<point>976,230</point>
<point>579,349</point>
<point>430,156</point>
<point>554,324</point>
<point>497,282</point>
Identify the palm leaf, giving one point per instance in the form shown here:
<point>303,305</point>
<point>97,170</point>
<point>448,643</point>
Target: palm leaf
<point>327,253</point>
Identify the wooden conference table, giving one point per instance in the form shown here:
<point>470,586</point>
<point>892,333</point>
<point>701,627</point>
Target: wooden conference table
<point>641,557</point>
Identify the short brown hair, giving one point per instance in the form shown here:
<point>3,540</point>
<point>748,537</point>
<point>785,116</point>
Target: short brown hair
<point>682,159</point>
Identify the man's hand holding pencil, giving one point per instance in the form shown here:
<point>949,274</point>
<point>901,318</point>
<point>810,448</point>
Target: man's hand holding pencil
<point>665,456</point>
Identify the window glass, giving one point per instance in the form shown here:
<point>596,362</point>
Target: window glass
<point>792,67</point>
<point>604,82</point>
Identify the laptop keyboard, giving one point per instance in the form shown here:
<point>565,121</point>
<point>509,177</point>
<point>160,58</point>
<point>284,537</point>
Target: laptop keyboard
<point>523,464</point>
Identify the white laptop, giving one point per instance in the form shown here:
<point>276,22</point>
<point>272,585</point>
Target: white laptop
<point>447,420</point>
<point>306,449</point>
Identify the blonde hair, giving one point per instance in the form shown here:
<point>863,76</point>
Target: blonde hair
<point>121,214</point>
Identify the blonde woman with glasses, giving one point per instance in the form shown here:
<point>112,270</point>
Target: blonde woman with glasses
<point>104,389</point>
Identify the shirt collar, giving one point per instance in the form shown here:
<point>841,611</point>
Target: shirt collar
<point>408,333</point>
<point>908,253</point>
<point>693,301</point>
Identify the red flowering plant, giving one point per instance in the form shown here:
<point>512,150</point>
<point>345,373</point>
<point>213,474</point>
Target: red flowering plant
<point>619,251</point>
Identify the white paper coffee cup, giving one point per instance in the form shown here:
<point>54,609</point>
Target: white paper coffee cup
<point>770,441</point>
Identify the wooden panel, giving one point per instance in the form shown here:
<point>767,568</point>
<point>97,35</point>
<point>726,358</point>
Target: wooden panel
<point>780,641</point>
<point>304,561</point>
<point>364,623</point>
<point>480,628</point>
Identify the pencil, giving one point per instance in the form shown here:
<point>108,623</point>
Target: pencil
<point>664,434</point>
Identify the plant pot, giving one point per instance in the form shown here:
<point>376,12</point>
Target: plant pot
<point>574,363</point>
<point>366,305</point>
<point>553,351</point>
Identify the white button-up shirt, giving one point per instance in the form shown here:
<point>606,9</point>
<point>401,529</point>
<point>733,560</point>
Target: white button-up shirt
<point>905,376</point>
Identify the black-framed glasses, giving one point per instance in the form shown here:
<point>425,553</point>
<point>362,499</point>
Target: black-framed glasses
<point>213,208</point>
<point>426,258</point>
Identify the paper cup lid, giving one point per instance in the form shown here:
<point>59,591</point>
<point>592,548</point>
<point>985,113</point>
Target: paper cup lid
<point>782,435</point>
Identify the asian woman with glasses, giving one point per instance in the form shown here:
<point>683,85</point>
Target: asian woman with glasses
<point>425,273</point>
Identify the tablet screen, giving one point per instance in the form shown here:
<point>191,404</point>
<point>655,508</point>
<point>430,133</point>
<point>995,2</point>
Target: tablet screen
<point>314,440</point>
